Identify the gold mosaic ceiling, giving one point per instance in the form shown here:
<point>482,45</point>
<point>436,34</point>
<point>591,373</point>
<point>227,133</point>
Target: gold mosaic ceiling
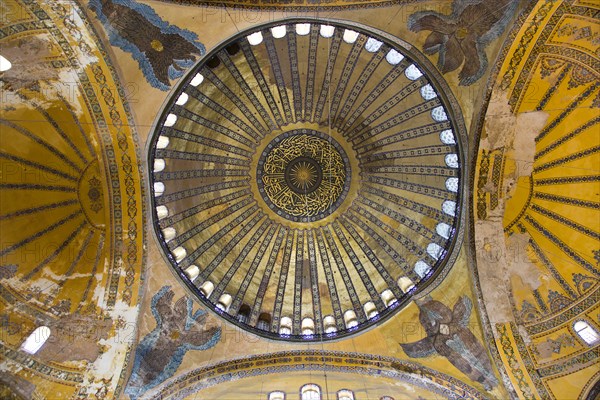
<point>72,232</point>
<point>533,213</point>
<point>307,198</point>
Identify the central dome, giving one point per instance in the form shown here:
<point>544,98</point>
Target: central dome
<point>306,178</point>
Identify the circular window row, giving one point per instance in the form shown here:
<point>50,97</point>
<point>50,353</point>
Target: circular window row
<point>307,177</point>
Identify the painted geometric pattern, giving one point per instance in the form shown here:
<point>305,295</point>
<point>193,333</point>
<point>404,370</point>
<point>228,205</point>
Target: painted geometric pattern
<point>556,205</point>
<point>72,244</point>
<point>312,360</point>
<point>548,197</point>
<point>399,136</point>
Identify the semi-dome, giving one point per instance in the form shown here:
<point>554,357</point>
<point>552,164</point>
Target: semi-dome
<point>307,178</point>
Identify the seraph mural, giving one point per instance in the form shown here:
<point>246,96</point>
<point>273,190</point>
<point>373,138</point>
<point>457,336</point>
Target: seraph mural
<point>162,50</point>
<point>449,336</point>
<point>461,37</point>
<point>178,330</point>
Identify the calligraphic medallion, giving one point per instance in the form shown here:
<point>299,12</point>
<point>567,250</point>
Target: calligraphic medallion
<point>303,175</point>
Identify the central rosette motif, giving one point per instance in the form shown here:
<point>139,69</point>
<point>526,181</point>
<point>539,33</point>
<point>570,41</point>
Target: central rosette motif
<point>303,175</point>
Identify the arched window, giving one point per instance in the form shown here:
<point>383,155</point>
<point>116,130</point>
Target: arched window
<point>350,36</point>
<point>198,78</point>
<point>345,394</point>
<point>412,72</point>
<point>444,230</point>
<point>370,309</point>
<point>388,297</point>
<point>255,38</point>
<point>451,160</point>
<point>207,288</point>
<point>302,29</point>
<point>439,114</point>
<point>264,321</point>
<point>373,45</point>
<point>182,99</point>
<point>308,326</point>
<point>449,207</point>
<point>36,340</point>
<point>159,189</point>
<point>452,184</point>
<point>171,119</point>
<point>586,332</point>
<point>285,326</point>
<point>162,142</point>
<point>179,253</point>
<point>350,319</point>
<point>224,302</point>
<point>278,395</point>
<point>386,398</point>
<point>435,250</point>
<point>162,212</point>
<point>428,92</point>
<point>447,137</point>
<point>244,313</point>
<point>393,57</point>
<point>5,65</point>
<point>310,392</point>
<point>405,283</point>
<point>422,268</point>
<point>192,272</point>
<point>279,31</point>
<point>327,31</point>
<point>169,234</point>
<point>329,324</point>
<point>159,164</point>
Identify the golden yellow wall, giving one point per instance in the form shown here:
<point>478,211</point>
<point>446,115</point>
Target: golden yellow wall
<point>383,341</point>
<point>74,236</point>
<point>72,210</point>
<point>536,201</point>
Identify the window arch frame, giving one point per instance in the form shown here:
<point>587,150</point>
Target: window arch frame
<point>276,392</point>
<point>587,327</point>
<point>308,386</point>
<point>36,340</point>
<point>345,391</point>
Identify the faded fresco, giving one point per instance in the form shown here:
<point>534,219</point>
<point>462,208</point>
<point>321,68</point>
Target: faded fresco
<point>162,50</point>
<point>448,335</point>
<point>537,226</point>
<point>70,181</point>
<point>461,37</point>
<point>178,330</point>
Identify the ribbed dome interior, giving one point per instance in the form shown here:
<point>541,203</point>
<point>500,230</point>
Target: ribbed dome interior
<point>306,179</point>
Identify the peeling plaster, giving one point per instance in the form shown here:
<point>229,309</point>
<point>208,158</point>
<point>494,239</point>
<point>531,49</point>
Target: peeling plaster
<point>518,262</point>
<point>105,368</point>
<point>521,149</point>
<point>75,337</point>
<point>498,256</point>
<point>493,269</point>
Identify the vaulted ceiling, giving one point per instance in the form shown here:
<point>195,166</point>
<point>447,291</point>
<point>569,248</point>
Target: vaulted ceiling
<point>87,250</point>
